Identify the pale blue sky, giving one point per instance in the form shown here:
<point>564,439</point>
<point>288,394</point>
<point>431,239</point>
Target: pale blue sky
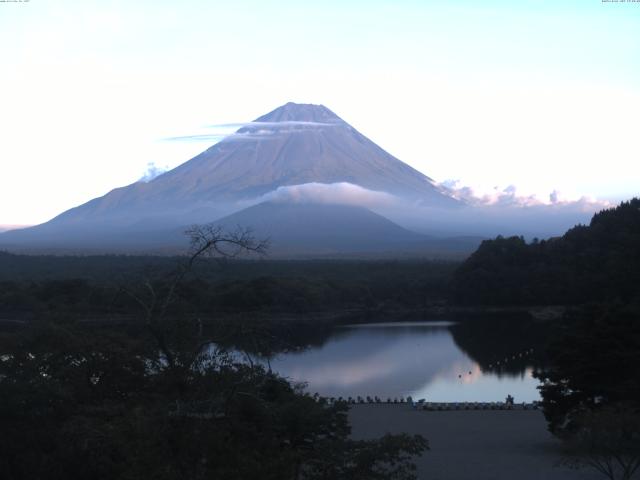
<point>540,94</point>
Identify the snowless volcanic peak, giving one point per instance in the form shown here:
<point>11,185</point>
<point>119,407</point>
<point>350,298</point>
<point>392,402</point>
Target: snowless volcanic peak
<point>295,144</point>
<point>292,145</point>
<point>301,112</point>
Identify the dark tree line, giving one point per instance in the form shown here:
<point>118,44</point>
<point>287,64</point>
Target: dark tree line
<point>599,262</point>
<point>79,402</point>
<point>87,286</point>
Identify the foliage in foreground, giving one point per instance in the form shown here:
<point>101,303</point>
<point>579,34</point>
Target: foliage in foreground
<point>591,389</point>
<point>593,362</point>
<point>79,403</point>
<point>608,441</point>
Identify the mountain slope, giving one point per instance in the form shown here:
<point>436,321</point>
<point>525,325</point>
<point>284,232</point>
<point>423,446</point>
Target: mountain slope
<point>303,229</point>
<point>312,228</point>
<point>294,144</point>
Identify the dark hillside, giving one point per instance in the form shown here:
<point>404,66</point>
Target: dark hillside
<point>596,262</point>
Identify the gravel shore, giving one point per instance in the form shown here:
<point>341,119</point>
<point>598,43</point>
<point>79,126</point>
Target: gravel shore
<point>472,444</point>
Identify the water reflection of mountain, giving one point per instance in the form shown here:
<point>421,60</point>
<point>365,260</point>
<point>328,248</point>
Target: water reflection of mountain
<point>502,344</point>
<point>372,360</point>
<point>400,359</point>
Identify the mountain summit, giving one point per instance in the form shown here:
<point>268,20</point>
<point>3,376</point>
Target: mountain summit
<point>300,112</point>
<point>294,145</point>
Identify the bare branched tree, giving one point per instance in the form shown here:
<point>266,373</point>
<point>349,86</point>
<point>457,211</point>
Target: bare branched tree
<point>607,441</point>
<point>155,297</point>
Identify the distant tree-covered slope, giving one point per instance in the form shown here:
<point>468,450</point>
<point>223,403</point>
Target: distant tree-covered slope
<point>90,285</point>
<point>595,262</point>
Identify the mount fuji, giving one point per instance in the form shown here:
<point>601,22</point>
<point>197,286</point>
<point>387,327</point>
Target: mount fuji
<point>295,156</point>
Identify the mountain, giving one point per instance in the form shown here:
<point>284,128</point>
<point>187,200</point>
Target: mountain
<point>292,145</point>
<point>309,229</point>
<point>306,228</point>
<point>295,144</point>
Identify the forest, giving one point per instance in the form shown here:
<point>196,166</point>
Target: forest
<point>86,285</point>
<point>599,262</point>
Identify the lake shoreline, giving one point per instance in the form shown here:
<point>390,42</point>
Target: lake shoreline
<point>337,317</point>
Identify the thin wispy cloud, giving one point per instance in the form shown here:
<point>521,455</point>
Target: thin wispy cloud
<point>207,137</point>
<point>249,131</point>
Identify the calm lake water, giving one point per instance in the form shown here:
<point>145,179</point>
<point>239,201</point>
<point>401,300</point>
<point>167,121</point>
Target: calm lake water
<point>421,359</point>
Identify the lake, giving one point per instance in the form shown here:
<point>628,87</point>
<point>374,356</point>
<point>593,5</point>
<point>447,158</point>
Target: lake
<point>421,359</point>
